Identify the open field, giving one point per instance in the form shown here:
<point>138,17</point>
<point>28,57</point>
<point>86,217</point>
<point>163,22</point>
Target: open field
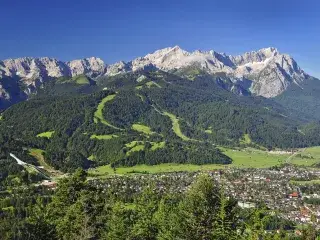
<point>157,145</point>
<point>164,167</point>
<point>307,157</point>
<point>317,181</point>
<point>152,83</point>
<point>103,137</point>
<point>253,158</point>
<point>134,146</point>
<point>247,158</point>
<point>98,116</point>
<point>81,79</point>
<point>142,128</point>
<point>46,134</point>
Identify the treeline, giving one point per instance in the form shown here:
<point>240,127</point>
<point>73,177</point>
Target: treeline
<point>79,210</point>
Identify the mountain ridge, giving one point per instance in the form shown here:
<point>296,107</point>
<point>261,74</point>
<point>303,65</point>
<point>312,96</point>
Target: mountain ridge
<point>265,72</point>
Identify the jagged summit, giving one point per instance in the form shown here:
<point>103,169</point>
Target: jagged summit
<point>270,71</point>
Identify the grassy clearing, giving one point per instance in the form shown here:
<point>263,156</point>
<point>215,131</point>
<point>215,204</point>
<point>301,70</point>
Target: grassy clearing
<point>9,209</point>
<point>311,182</point>
<point>245,139</point>
<point>138,87</point>
<point>46,134</point>
<point>152,83</point>
<point>133,143</point>
<point>247,158</point>
<point>164,167</point>
<point>307,157</point>
<point>92,158</point>
<point>209,131</point>
<point>304,162</point>
<point>1,117</point>
<point>140,96</point>
<point>135,146</point>
<point>157,145</point>
<point>103,137</point>
<point>142,128</point>
<point>176,127</point>
<point>98,116</point>
<point>253,158</point>
<point>81,79</point>
<point>38,154</point>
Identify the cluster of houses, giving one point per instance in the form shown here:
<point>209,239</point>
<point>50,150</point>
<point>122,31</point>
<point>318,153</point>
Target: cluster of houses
<point>278,189</point>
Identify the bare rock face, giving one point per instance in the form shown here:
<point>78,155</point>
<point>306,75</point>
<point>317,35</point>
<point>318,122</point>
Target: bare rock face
<point>91,67</point>
<point>32,68</point>
<point>3,93</point>
<point>270,71</point>
<point>31,72</point>
<point>46,68</point>
<point>117,68</point>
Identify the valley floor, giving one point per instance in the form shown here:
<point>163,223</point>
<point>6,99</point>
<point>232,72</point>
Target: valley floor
<point>242,158</point>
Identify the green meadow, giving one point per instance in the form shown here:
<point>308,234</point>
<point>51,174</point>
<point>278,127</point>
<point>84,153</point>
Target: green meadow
<point>246,158</point>
<point>307,157</point>
<point>142,128</point>
<point>103,137</point>
<point>46,134</point>
<point>245,139</point>
<point>152,83</point>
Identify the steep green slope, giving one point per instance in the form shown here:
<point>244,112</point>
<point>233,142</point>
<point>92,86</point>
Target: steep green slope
<point>305,98</point>
<point>169,119</point>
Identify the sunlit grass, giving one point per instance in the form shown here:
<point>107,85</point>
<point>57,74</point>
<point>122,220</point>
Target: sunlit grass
<point>46,134</point>
<point>103,137</point>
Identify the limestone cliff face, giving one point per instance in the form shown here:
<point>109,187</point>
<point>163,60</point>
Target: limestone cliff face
<point>267,72</point>
<point>45,68</point>
<point>91,67</point>
<point>270,71</point>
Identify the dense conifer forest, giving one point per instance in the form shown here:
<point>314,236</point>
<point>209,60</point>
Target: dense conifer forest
<point>147,118</point>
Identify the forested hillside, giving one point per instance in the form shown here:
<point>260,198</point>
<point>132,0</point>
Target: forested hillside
<point>147,118</point>
<point>305,98</point>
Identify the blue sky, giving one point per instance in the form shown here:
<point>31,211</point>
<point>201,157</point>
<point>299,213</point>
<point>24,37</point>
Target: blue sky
<point>123,30</point>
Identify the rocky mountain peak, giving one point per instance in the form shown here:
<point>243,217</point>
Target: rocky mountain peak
<point>270,71</point>
<point>92,67</point>
<point>278,70</point>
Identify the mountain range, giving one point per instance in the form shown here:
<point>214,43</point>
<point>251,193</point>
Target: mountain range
<point>265,72</point>
<point>169,106</point>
